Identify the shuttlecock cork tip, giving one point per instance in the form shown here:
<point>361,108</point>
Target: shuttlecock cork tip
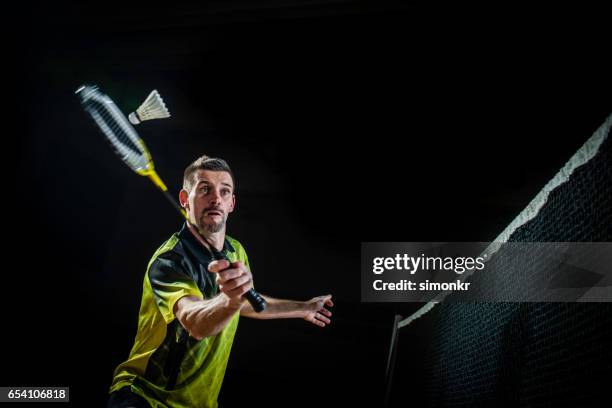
<point>133,118</point>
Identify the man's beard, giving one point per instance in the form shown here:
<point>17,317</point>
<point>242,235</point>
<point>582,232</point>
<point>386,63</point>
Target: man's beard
<point>211,228</point>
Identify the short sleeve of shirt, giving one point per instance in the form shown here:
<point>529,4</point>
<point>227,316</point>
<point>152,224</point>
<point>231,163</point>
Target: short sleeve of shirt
<point>239,253</point>
<point>170,282</point>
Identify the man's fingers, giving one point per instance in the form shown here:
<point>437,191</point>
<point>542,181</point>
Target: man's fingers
<point>234,279</point>
<point>320,317</point>
<point>238,291</point>
<point>218,265</point>
<point>324,300</point>
<point>317,322</point>
<point>232,284</point>
<point>229,274</point>
<point>325,312</point>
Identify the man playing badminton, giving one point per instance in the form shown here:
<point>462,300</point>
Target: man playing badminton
<point>191,303</point>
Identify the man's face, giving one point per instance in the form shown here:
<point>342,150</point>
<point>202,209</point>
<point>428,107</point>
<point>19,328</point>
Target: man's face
<point>210,200</point>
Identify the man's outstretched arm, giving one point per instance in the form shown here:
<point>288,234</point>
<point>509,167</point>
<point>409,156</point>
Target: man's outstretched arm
<point>313,310</point>
<point>203,318</point>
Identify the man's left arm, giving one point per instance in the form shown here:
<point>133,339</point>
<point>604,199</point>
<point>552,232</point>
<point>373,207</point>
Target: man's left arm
<point>314,310</point>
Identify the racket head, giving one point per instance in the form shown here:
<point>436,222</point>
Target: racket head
<point>118,131</point>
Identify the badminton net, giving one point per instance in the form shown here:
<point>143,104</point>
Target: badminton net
<point>523,354</point>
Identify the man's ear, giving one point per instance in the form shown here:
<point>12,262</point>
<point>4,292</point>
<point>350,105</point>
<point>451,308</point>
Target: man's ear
<point>233,204</point>
<point>184,199</point>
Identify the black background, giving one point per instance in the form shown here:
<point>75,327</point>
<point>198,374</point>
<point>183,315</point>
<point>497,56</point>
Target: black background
<point>343,121</point>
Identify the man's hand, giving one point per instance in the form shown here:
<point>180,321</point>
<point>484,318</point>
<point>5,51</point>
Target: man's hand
<point>234,279</point>
<point>316,313</point>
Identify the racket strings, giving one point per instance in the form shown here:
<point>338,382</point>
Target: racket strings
<point>124,141</point>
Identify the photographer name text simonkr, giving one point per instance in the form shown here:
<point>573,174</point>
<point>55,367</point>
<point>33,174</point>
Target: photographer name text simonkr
<point>413,264</point>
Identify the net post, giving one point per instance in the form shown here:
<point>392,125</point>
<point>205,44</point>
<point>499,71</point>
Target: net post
<point>391,359</point>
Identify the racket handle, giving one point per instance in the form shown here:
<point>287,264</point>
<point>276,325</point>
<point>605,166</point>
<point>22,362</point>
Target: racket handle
<point>256,300</point>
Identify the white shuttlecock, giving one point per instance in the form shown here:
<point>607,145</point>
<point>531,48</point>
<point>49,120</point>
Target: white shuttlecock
<point>152,108</point>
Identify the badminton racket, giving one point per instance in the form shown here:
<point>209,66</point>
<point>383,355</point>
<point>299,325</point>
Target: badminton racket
<point>132,150</point>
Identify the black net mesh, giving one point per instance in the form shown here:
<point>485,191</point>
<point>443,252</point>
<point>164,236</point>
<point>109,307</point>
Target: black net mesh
<point>521,354</point>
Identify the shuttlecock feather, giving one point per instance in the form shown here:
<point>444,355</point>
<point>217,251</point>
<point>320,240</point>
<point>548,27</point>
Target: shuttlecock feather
<point>152,108</point>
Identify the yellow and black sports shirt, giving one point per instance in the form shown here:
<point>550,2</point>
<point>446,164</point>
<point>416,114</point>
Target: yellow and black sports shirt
<point>178,268</point>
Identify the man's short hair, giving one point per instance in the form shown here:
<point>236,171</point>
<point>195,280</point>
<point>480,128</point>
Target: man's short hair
<point>205,163</point>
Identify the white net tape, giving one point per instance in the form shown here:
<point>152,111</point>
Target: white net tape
<point>582,156</point>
